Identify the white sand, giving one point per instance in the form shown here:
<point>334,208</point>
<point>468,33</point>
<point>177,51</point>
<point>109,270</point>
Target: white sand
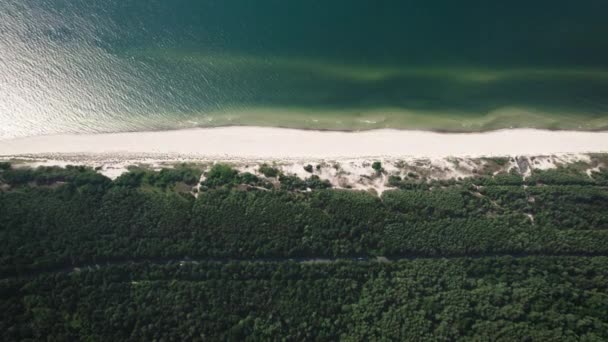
<point>277,143</point>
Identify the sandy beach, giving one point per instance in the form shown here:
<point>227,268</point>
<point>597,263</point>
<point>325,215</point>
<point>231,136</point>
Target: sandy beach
<point>273,143</point>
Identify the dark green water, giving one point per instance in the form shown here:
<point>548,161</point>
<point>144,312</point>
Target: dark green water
<point>97,66</point>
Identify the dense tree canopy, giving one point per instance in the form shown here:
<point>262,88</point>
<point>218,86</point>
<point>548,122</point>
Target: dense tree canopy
<point>483,258</point>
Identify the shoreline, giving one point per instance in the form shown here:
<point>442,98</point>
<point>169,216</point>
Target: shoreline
<point>350,120</point>
<point>252,142</point>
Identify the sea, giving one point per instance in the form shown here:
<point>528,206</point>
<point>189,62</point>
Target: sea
<point>91,66</point>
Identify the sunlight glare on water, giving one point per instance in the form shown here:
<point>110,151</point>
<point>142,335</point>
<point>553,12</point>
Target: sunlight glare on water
<point>83,66</point>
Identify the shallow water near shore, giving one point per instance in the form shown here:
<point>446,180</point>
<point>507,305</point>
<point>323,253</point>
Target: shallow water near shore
<point>113,66</point>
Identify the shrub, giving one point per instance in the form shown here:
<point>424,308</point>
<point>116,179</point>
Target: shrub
<point>292,183</point>
<point>248,178</point>
<point>220,175</point>
<point>308,168</point>
<point>394,181</point>
<point>269,171</point>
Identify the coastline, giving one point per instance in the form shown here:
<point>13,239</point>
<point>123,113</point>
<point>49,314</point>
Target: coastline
<point>251,142</point>
<point>338,120</point>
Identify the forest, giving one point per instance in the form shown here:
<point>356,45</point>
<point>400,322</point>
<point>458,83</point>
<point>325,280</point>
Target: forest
<point>154,256</point>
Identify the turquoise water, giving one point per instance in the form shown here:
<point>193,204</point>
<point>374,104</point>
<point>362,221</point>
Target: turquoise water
<point>100,66</point>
